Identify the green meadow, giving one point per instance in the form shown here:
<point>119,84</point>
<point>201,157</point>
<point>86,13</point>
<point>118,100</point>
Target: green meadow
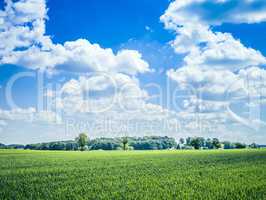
<point>210,174</point>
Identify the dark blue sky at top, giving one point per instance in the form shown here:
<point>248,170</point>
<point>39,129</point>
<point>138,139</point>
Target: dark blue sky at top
<point>108,23</point>
<point>112,23</point>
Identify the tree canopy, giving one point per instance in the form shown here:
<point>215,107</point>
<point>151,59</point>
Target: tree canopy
<point>82,141</point>
<point>129,143</point>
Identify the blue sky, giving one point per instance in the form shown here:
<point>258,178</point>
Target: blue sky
<point>172,46</point>
<point>252,35</point>
<point>126,20</point>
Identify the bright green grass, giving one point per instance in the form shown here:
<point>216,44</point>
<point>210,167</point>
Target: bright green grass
<point>238,174</point>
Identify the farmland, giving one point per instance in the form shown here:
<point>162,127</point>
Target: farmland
<point>211,174</point>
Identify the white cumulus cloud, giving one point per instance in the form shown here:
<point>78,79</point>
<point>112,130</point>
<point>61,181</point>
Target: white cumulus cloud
<point>24,43</point>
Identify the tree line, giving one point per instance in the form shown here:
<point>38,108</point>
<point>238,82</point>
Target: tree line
<point>83,143</point>
<point>132,143</point>
<point>214,143</point>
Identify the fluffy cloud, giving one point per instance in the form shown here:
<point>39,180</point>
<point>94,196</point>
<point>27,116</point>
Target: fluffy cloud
<point>212,82</point>
<point>192,21</point>
<point>102,92</point>
<point>224,52</point>
<point>221,84</point>
<point>91,57</point>
<point>22,24</point>
<point>24,43</point>
<point>218,69</point>
<point>254,80</point>
<point>215,12</point>
<point>213,59</point>
<point>29,115</point>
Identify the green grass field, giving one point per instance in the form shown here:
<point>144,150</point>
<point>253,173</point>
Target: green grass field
<point>221,174</point>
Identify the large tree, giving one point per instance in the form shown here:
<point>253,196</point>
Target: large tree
<point>196,142</point>
<point>216,143</point>
<point>124,141</point>
<point>82,141</point>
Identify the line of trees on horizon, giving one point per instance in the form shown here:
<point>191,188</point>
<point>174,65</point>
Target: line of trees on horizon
<point>82,143</point>
<point>214,143</point>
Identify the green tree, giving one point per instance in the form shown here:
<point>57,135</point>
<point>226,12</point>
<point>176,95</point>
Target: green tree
<point>2,146</point>
<point>209,144</point>
<point>228,145</point>
<point>124,142</point>
<point>216,143</point>
<point>239,145</point>
<point>196,142</point>
<point>70,146</point>
<point>201,141</point>
<point>188,141</point>
<point>254,146</point>
<point>181,141</point>
<point>82,141</point>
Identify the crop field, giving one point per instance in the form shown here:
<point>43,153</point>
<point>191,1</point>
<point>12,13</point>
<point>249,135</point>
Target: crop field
<point>218,174</point>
